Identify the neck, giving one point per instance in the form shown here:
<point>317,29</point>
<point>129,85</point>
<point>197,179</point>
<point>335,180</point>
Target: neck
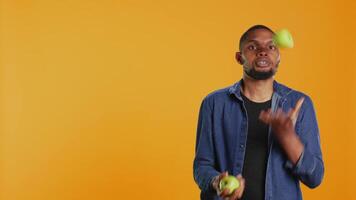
<point>257,90</point>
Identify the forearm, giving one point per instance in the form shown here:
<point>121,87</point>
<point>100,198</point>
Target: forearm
<point>292,146</point>
<point>309,168</point>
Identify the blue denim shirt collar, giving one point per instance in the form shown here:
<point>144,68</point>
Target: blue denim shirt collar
<point>278,88</point>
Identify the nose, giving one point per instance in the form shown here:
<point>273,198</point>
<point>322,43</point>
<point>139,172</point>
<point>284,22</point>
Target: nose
<point>262,53</point>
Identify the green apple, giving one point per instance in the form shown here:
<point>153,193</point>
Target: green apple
<point>229,182</point>
<point>283,39</point>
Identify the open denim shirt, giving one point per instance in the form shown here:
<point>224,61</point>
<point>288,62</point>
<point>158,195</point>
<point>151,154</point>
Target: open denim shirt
<point>221,141</point>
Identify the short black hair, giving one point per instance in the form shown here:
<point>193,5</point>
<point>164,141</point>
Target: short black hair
<point>246,33</point>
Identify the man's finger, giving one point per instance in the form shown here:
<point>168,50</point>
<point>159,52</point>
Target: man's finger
<point>241,188</point>
<point>265,116</point>
<point>222,175</point>
<point>234,196</point>
<point>238,192</point>
<point>299,103</point>
<point>217,184</point>
<point>297,107</point>
<point>224,193</point>
<point>290,112</point>
<point>277,114</point>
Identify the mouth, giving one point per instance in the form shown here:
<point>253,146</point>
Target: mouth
<point>262,63</point>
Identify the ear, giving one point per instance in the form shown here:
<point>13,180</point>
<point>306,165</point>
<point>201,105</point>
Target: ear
<point>239,58</point>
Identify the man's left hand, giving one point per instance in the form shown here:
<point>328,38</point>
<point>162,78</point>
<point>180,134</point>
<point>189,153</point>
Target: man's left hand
<point>283,125</point>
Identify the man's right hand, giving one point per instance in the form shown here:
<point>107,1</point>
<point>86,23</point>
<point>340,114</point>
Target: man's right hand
<point>237,194</point>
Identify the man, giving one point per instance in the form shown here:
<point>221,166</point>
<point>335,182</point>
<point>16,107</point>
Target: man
<point>258,130</point>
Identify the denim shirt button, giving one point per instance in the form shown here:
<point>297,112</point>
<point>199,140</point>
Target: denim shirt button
<point>242,146</point>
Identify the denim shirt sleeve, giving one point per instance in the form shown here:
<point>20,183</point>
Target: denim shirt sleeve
<point>203,167</point>
<point>309,169</point>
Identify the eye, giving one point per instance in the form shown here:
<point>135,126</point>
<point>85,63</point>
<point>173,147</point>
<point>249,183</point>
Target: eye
<point>272,47</point>
<point>251,47</point>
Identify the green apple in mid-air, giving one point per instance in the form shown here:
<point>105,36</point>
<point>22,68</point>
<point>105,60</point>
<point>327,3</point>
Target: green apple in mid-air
<point>283,39</point>
<point>229,182</point>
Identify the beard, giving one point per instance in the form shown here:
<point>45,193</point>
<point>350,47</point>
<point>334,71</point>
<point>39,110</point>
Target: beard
<point>258,75</point>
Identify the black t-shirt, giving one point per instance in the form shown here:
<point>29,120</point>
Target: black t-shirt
<point>256,153</point>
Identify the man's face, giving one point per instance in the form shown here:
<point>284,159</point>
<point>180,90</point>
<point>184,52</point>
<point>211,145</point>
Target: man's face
<point>259,55</point>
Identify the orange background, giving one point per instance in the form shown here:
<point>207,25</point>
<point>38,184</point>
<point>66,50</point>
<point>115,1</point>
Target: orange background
<point>100,99</point>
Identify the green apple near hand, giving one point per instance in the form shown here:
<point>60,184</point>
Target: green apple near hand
<point>229,182</point>
<point>283,39</point>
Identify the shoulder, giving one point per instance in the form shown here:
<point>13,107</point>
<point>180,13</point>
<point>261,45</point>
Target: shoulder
<point>293,95</point>
<point>217,96</point>
<point>218,93</point>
